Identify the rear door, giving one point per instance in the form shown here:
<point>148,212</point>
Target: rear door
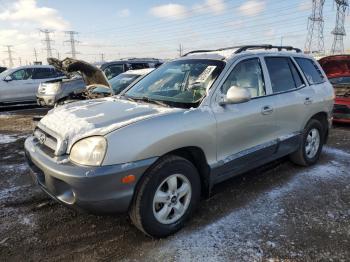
<point>290,92</point>
<point>245,131</point>
<point>318,95</point>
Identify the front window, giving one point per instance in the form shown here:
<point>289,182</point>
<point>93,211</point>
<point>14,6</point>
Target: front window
<point>122,81</point>
<point>182,83</point>
<point>22,74</point>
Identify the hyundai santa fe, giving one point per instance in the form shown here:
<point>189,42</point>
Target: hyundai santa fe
<point>157,148</point>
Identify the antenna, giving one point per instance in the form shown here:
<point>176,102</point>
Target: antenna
<point>339,30</point>
<point>314,39</point>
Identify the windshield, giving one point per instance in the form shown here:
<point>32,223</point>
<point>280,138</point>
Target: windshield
<point>120,82</point>
<point>181,83</point>
<point>340,80</point>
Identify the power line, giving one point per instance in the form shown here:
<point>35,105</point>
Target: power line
<point>339,30</point>
<point>47,40</point>
<point>72,42</point>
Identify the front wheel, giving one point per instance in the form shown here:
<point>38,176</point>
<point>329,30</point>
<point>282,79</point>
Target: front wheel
<point>166,197</point>
<point>311,145</point>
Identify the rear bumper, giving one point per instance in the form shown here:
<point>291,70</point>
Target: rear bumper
<point>95,189</point>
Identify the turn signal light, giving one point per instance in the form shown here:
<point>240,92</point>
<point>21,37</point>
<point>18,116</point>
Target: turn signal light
<point>128,179</point>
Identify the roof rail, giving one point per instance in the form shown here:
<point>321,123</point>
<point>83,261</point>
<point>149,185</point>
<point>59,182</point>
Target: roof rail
<point>279,48</point>
<point>245,48</point>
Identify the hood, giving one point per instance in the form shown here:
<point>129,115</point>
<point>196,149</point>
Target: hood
<point>97,117</point>
<point>91,74</point>
<point>336,66</point>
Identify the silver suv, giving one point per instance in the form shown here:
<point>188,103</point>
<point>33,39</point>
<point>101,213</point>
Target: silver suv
<point>195,121</point>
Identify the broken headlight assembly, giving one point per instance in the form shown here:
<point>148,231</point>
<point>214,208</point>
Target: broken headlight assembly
<point>52,88</point>
<point>89,151</point>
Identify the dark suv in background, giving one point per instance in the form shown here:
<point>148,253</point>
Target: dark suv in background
<point>114,68</point>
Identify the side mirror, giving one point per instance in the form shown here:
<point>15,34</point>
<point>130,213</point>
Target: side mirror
<point>8,78</point>
<point>236,95</point>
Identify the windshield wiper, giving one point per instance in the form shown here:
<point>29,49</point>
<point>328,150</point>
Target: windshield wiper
<point>129,98</point>
<point>149,100</point>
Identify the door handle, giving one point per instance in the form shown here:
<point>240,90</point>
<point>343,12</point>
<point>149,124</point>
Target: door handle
<point>266,110</point>
<point>308,101</point>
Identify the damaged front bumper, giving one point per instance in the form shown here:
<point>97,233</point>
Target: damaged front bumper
<point>95,189</point>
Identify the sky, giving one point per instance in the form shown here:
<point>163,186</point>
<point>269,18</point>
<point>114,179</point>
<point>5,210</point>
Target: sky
<point>153,28</point>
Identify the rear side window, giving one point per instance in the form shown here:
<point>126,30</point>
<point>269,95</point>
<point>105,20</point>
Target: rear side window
<point>311,70</point>
<point>42,73</point>
<point>113,70</point>
<point>283,74</point>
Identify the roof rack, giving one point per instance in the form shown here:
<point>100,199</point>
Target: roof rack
<point>247,47</point>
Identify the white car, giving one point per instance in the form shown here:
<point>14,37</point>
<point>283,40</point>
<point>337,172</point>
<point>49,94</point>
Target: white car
<point>20,84</point>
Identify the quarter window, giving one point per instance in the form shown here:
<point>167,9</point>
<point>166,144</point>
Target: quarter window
<point>246,74</point>
<point>283,74</point>
<point>311,70</point>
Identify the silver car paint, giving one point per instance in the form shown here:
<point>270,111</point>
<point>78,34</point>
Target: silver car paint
<point>218,131</point>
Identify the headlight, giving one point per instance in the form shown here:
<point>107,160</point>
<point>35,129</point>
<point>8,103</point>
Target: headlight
<point>89,151</point>
<point>52,88</point>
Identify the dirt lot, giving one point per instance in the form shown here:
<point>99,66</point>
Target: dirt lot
<point>277,212</point>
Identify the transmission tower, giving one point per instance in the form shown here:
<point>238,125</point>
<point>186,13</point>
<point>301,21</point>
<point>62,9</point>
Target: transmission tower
<point>72,42</point>
<point>9,52</point>
<point>314,39</point>
<point>35,55</point>
<point>47,40</point>
<point>339,30</point>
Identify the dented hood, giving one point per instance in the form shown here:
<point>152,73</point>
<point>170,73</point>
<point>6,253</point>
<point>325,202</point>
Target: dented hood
<point>96,117</point>
<point>91,74</point>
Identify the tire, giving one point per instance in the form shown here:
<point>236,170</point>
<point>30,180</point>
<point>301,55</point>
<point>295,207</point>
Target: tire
<point>305,156</point>
<point>145,211</point>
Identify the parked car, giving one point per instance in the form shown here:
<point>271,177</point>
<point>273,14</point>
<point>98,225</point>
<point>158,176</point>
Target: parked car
<point>2,69</point>
<point>337,69</point>
<point>194,122</point>
<point>20,84</point>
<point>114,68</point>
<point>88,82</point>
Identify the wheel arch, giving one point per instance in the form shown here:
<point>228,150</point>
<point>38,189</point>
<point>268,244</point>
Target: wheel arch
<point>322,117</point>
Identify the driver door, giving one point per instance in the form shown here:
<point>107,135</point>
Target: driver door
<point>245,131</point>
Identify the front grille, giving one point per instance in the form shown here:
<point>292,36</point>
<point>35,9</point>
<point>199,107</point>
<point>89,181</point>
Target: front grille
<point>48,143</point>
<point>341,109</point>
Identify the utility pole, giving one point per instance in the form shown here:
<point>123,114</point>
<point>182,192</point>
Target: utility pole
<point>58,55</point>
<point>102,57</point>
<point>9,52</point>
<point>72,42</point>
<point>339,30</point>
<point>20,61</point>
<point>314,39</point>
<point>35,55</point>
<point>47,40</point>
<point>181,49</point>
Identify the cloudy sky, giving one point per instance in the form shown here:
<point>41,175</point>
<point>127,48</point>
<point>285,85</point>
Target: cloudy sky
<point>152,28</point>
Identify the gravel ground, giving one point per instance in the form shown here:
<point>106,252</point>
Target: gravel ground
<point>277,212</point>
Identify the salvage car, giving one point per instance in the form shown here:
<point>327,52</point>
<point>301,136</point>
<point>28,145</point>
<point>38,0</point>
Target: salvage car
<point>20,84</point>
<point>2,69</point>
<point>337,69</point>
<point>84,81</point>
<point>166,140</point>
